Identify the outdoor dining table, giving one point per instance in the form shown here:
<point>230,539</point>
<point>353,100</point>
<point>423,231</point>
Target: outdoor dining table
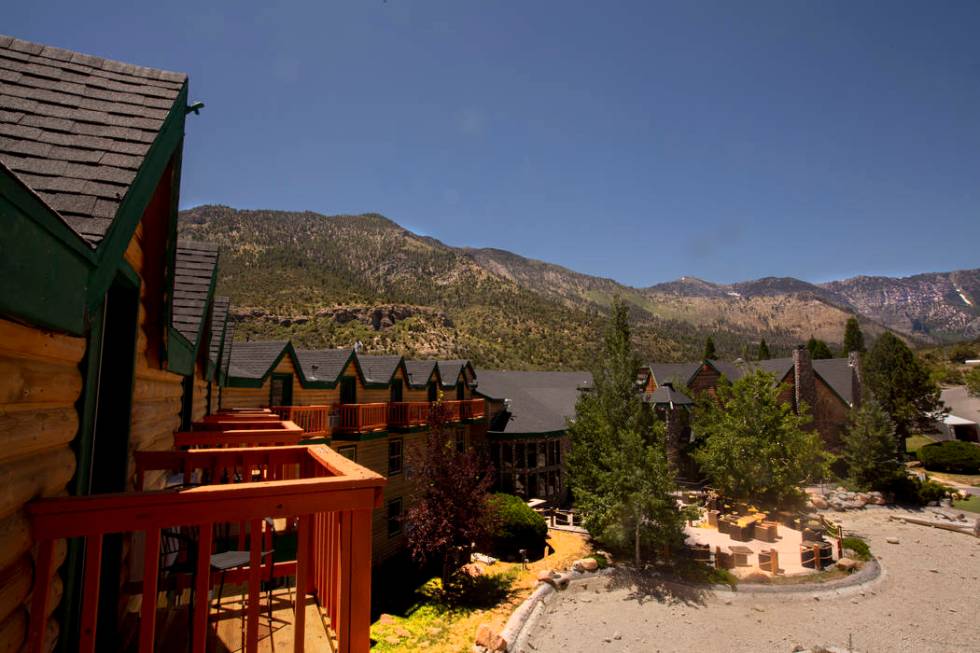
<point>741,554</point>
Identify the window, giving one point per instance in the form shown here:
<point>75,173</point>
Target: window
<point>396,391</point>
<point>460,440</point>
<point>394,517</point>
<point>394,456</point>
<point>348,451</point>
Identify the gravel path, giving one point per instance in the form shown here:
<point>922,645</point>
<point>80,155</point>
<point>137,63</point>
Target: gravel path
<point>926,600</point>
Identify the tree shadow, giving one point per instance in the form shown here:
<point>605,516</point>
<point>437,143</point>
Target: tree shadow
<point>680,582</point>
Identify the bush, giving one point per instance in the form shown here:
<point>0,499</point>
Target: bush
<point>517,527</point>
<point>951,456</point>
<point>858,546</point>
<point>911,491</point>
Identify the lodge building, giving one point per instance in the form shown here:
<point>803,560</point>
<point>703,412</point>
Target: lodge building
<point>112,346</point>
<point>373,409</point>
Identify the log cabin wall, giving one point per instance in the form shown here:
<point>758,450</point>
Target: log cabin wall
<point>40,382</point>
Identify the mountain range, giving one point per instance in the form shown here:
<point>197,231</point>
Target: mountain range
<point>327,281</point>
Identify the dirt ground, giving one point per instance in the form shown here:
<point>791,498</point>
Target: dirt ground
<point>926,600</point>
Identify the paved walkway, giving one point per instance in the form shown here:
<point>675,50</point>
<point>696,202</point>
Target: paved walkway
<point>926,601</point>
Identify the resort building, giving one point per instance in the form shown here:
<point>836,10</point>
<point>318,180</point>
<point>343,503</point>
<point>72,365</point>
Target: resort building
<point>110,345</point>
<point>372,409</point>
<point>828,387</point>
<point>527,431</point>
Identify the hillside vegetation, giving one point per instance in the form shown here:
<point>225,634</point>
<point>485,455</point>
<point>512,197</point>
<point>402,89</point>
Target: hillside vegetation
<point>327,281</point>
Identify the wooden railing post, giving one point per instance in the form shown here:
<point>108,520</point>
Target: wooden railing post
<point>303,555</point>
<point>148,611</point>
<point>39,600</point>
<point>359,571</point>
<point>202,586</point>
<point>254,582</point>
<point>90,586</point>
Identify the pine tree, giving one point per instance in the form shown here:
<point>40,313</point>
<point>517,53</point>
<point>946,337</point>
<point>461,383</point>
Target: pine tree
<point>709,349</point>
<point>853,338</point>
<point>618,466</point>
<point>901,384</point>
<point>763,350</point>
<point>818,349</point>
<point>755,448</point>
<point>870,448</point>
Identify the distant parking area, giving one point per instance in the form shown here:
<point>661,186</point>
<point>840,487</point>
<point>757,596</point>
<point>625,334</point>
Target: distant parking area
<point>926,601</point>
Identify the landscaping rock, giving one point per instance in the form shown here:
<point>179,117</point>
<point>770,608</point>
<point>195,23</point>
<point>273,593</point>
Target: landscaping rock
<point>585,564</point>
<point>473,569</point>
<point>489,639</point>
<point>819,502</point>
<point>847,564</point>
<point>891,540</point>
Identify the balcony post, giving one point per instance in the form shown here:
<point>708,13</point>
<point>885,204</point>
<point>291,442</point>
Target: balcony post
<point>39,600</point>
<point>90,602</point>
<point>360,582</point>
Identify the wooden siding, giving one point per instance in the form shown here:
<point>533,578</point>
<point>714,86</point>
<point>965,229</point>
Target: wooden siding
<point>156,392</point>
<point>830,416</point>
<point>40,382</point>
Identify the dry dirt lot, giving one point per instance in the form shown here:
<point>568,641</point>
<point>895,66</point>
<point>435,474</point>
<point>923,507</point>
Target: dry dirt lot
<point>926,600</point>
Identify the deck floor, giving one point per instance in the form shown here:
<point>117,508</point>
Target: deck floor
<point>227,628</point>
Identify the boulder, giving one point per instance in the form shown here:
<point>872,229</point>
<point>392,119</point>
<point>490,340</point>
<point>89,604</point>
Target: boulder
<point>819,502</point>
<point>891,540</point>
<point>847,564</point>
<point>490,639</point>
<point>585,564</point>
<point>473,569</point>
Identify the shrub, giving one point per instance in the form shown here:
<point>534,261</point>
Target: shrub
<point>517,527</point>
<point>951,456</point>
<point>858,546</point>
<point>910,490</point>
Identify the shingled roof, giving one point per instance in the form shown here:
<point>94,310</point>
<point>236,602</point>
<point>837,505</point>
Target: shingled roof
<point>196,265</point>
<point>540,402</point>
<point>76,128</point>
<point>665,395</point>
<point>419,372</point>
<point>323,364</point>
<point>378,369</point>
<point>449,371</point>
<point>219,322</point>
<point>838,374</point>
<point>673,372</point>
<point>253,360</point>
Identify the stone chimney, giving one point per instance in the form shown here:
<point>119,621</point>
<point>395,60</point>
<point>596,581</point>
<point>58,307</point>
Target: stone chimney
<point>805,382</point>
<point>857,383</point>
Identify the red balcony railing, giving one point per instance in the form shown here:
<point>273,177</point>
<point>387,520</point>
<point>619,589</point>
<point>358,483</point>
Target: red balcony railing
<point>315,420</point>
<point>361,418</point>
<point>331,504</point>
<point>473,409</point>
<point>240,433</point>
<point>407,414</point>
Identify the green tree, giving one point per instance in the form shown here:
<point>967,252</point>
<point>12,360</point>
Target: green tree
<point>618,466</point>
<point>763,350</point>
<point>709,349</point>
<point>961,352</point>
<point>853,337</point>
<point>870,449</point>
<point>899,381</point>
<point>756,448</point>
<point>818,349</point>
<point>972,380</point>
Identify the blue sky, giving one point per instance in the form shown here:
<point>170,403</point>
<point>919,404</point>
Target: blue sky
<point>641,141</point>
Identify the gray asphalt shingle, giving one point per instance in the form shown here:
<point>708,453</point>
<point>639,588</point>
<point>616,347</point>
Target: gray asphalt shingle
<point>66,117</point>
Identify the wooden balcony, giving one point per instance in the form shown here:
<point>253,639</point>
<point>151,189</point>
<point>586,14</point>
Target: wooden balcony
<point>361,418</point>
<point>408,414</point>
<point>240,433</point>
<point>327,498</point>
<point>465,409</point>
<point>314,420</point>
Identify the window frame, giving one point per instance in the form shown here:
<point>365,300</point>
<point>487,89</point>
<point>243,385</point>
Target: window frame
<point>400,442</point>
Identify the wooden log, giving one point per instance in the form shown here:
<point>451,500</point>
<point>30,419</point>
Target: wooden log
<point>20,341</point>
<point>15,538</point>
<point>37,381</point>
<point>153,411</point>
<point>13,630</point>
<point>150,385</point>
<point>15,585</point>
<point>23,479</point>
<point>23,433</point>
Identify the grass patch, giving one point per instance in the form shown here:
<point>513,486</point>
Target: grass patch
<point>916,442</point>
<point>804,579</point>
<point>965,479</point>
<point>428,618</point>
<point>972,504</point>
<point>858,546</point>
